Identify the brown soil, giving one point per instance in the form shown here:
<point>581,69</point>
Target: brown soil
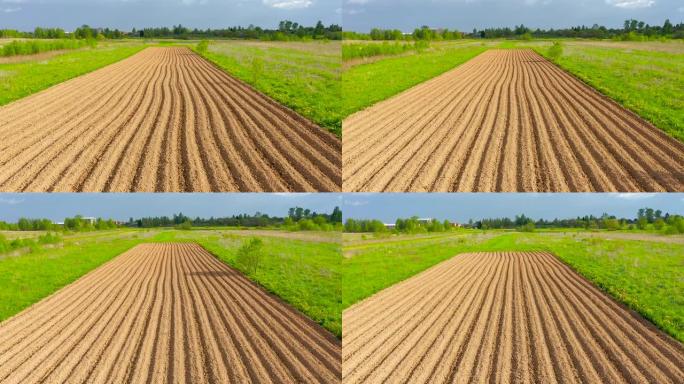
<point>507,120</point>
<point>164,119</point>
<point>165,313</point>
<point>502,317</point>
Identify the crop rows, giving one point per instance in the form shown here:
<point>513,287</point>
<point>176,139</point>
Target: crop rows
<point>502,317</point>
<point>165,313</point>
<point>164,119</point>
<point>507,120</point>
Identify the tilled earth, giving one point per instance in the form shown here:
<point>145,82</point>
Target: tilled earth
<point>162,120</point>
<point>502,317</point>
<point>507,120</point>
<point>165,313</point>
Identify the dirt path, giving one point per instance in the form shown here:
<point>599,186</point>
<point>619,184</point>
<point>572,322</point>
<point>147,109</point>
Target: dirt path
<point>165,313</point>
<point>164,119</point>
<point>502,317</point>
<point>507,120</point>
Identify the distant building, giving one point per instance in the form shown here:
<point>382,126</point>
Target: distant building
<point>390,226</point>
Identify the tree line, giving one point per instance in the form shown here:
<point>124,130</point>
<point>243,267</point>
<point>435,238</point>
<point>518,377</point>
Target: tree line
<point>77,223</point>
<point>297,216</point>
<point>646,218</point>
<point>287,30</point>
<point>401,225</point>
<point>632,29</point>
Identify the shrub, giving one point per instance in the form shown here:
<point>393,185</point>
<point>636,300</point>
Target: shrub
<point>555,51</point>
<point>185,226</point>
<point>249,255</point>
<point>202,47</point>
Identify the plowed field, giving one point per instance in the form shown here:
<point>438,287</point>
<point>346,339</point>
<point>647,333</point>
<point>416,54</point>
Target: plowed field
<point>502,317</point>
<point>507,120</point>
<point>165,313</point>
<point>164,119</point>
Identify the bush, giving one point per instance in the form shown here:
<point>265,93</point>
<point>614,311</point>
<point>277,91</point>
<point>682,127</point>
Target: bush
<point>202,47</point>
<point>32,47</point>
<point>249,255</point>
<point>555,51</point>
<point>185,226</point>
<point>529,227</point>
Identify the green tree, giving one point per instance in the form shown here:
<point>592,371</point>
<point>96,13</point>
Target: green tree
<point>250,254</point>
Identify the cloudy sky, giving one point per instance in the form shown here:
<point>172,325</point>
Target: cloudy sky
<point>464,15</point>
<point>121,206</point>
<point>464,206</point>
<point>127,14</point>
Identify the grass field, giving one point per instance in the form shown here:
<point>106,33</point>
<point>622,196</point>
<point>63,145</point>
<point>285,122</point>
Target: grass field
<point>23,78</point>
<point>645,77</point>
<point>305,274</point>
<point>645,275</point>
<point>304,76</point>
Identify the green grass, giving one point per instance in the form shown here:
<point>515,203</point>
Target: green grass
<point>21,79</point>
<point>303,76</point>
<point>366,84</point>
<point>647,276</point>
<point>647,82</point>
<point>28,278</point>
<point>306,274</point>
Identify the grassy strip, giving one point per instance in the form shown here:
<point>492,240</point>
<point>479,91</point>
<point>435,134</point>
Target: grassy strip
<point>27,279</point>
<point>32,47</point>
<point>366,84</point>
<point>305,81</point>
<point>646,276</point>
<point>304,274</point>
<point>358,50</point>
<point>648,83</point>
<point>19,80</point>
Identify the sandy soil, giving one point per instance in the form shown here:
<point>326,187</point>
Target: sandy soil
<point>507,120</point>
<point>164,119</point>
<point>165,313</point>
<point>502,317</point>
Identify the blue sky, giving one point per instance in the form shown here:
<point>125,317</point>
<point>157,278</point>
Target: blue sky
<point>464,15</point>
<point>461,207</point>
<point>57,206</point>
<point>127,14</point>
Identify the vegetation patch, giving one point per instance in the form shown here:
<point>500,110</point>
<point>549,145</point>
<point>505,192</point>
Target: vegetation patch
<point>29,77</point>
<point>303,76</point>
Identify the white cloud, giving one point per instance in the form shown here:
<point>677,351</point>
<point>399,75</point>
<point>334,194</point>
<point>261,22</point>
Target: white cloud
<point>355,203</point>
<point>288,4</point>
<point>631,4</point>
<point>11,201</point>
<point>635,196</point>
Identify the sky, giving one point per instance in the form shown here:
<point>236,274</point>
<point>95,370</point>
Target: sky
<point>121,206</point>
<point>464,15</point>
<point>461,207</point>
<point>127,14</point>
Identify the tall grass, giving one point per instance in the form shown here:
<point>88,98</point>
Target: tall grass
<point>359,50</point>
<point>32,47</point>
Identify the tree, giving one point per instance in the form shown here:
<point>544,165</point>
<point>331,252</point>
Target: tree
<point>249,255</point>
<point>667,27</point>
<point>336,216</point>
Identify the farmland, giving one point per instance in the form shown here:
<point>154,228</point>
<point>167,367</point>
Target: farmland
<point>502,317</point>
<point>461,130</point>
<point>639,269</point>
<point>165,313</point>
<point>301,268</point>
<point>162,120</point>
